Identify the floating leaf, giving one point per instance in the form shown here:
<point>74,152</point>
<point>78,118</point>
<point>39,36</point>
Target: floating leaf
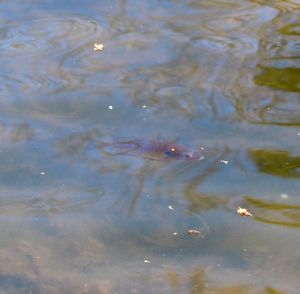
<point>243,212</point>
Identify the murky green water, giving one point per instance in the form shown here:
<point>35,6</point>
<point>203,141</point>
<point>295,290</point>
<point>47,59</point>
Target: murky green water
<point>223,75</point>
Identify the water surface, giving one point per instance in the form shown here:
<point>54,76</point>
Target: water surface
<point>223,75</point>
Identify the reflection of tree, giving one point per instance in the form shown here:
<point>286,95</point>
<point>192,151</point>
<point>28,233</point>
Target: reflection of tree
<point>77,144</point>
<point>291,29</point>
<point>276,162</point>
<point>199,201</point>
<point>197,283</point>
<point>17,133</point>
<point>267,89</point>
<point>23,132</point>
<point>287,79</point>
<point>276,213</point>
<point>194,281</point>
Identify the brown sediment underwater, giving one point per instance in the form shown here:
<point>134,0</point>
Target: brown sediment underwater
<point>156,149</point>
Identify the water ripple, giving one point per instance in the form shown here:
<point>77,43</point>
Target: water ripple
<point>232,44</point>
<point>274,212</point>
<point>50,201</point>
<point>282,6</point>
<point>37,47</point>
<point>269,93</point>
<point>43,35</point>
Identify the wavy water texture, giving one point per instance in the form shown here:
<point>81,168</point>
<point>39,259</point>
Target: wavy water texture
<point>275,213</point>
<point>32,49</point>
<point>280,5</point>
<point>203,76</point>
<point>220,75</point>
<point>46,35</point>
<point>50,202</point>
<point>276,162</point>
<point>270,94</point>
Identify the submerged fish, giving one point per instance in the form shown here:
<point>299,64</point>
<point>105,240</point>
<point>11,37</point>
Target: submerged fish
<point>156,149</point>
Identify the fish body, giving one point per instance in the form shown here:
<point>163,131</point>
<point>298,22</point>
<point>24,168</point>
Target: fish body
<point>154,148</point>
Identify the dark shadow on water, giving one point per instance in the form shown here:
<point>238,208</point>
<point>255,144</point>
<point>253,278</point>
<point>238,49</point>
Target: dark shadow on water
<point>286,79</point>
<point>276,162</point>
<point>274,212</point>
<point>198,201</point>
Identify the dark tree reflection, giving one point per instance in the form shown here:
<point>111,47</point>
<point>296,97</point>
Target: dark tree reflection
<point>274,212</point>
<point>276,162</point>
<point>287,79</point>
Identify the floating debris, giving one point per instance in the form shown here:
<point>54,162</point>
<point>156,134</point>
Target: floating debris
<point>146,261</point>
<point>224,161</point>
<point>98,47</point>
<point>170,207</point>
<point>175,234</point>
<point>42,173</point>
<point>243,212</point>
<point>110,107</point>
<point>193,232</point>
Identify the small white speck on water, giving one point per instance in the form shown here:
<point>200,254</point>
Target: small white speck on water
<point>146,261</point>
<point>224,161</point>
<point>284,196</point>
<point>144,106</point>
<point>171,207</point>
<point>98,47</point>
<point>42,173</point>
<point>173,149</point>
<point>175,234</point>
<point>202,148</point>
<point>298,134</point>
<point>110,107</point>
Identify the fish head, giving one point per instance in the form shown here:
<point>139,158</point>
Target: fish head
<point>192,155</point>
<point>181,153</point>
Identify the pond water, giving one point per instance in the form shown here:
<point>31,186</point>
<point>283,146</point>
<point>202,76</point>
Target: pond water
<point>219,77</point>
